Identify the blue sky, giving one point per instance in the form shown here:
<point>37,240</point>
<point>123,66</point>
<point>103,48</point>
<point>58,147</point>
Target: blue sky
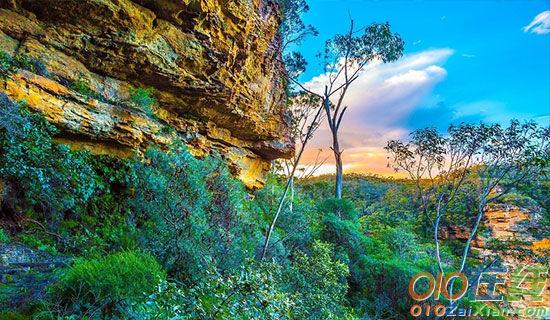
<point>464,61</point>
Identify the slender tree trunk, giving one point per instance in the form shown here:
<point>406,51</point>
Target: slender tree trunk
<point>291,202</point>
<point>275,217</point>
<point>333,125</point>
<point>437,250</point>
<point>339,168</point>
<point>480,211</point>
<point>436,232</point>
<point>288,184</point>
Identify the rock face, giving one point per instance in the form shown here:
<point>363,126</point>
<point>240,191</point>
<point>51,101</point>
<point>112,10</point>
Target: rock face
<point>213,65</point>
<point>508,238</point>
<point>25,274</point>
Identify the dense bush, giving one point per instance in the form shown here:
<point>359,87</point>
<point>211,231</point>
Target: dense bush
<point>329,258</point>
<point>74,195</point>
<point>296,227</point>
<point>41,176</point>
<point>104,285</point>
<point>379,267</point>
<point>82,86</point>
<point>7,65</point>
<point>250,292</point>
<point>311,287</point>
<point>4,237</point>
<point>318,284</point>
<point>192,212</point>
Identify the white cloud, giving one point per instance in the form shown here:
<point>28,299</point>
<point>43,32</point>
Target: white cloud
<point>379,102</point>
<point>540,24</point>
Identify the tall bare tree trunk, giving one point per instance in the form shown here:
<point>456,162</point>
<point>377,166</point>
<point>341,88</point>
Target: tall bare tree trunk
<point>291,202</point>
<point>334,125</point>
<point>339,168</point>
<point>289,183</point>
<point>275,217</point>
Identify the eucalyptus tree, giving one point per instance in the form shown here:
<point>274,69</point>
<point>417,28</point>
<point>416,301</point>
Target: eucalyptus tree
<point>293,30</point>
<point>345,57</point>
<point>303,108</point>
<point>474,163</point>
<point>305,123</point>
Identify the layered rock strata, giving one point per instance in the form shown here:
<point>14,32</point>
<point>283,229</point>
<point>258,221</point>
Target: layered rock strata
<point>212,66</point>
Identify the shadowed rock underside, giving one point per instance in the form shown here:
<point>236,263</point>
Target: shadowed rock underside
<point>214,66</point>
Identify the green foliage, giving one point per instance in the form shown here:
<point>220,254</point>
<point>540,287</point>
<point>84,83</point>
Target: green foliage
<point>4,237</point>
<point>193,210</point>
<point>82,86</point>
<point>143,99</point>
<point>379,270</point>
<point>293,31</point>
<point>318,283</point>
<point>351,245</point>
<point>74,194</point>
<point>108,224</point>
<point>376,40</point>
<point>13,316</point>
<point>329,258</point>
<point>39,244</point>
<point>296,228</point>
<point>363,191</point>
<point>43,176</point>
<point>7,65</point>
<point>103,284</point>
<point>312,287</point>
<point>295,64</point>
<point>250,292</point>
<point>518,199</point>
<point>342,208</point>
<point>31,64</point>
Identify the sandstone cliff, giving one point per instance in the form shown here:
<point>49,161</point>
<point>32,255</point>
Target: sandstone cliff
<point>213,66</point>
<point>508,241</point>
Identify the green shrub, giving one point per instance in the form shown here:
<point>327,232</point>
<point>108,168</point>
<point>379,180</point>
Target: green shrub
<point>192,212</point>
<point>296,228</point>
<point>7,65</point>
<point>13,316</point>
<point>33,242</point>
<point>342,208</point>
<point>43,177</point>
<point>143,99</point>
<point>318,284</point>
<point>4,237</point>
<point>352,246</point>
<point>249,292</point>
<point>82,86</point>
<point>74,194</point>
<point>107,283</point>
<point>380,268</point>
<point>31,64</point>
